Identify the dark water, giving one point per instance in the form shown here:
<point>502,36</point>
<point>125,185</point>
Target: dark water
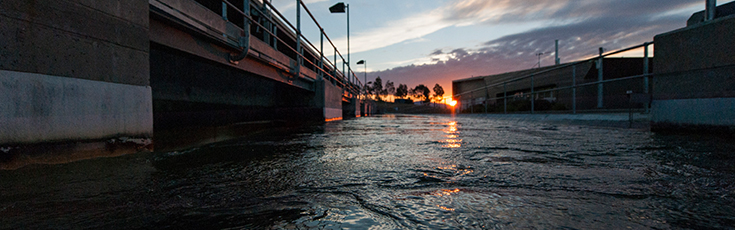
<point>393,172</point>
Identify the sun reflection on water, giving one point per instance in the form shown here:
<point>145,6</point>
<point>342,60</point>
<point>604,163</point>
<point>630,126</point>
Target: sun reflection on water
<point>452,140</point>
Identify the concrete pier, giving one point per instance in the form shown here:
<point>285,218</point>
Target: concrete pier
<point>694,83</point>
<point>74,70</point>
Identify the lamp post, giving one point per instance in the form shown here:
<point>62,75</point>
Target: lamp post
<point>341,7</point>
<point>365,82</point>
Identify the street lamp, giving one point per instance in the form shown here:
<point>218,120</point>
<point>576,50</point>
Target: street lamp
<point>363,62</point>
<point>365,82</point>
<point>341,7</point>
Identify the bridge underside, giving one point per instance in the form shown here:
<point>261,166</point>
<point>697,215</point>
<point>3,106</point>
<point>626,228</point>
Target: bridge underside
<point>194,84</point>
<point>188,90</point>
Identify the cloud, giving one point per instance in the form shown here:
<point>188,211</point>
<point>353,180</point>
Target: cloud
<point>406,29</point>
<point>578,38</point>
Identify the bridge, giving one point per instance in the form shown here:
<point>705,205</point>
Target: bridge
<point>93,70</point>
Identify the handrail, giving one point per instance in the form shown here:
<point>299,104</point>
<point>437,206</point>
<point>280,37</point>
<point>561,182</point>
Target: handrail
<point>556,68</point>
<point>339,77</point>
<point>574,86</point>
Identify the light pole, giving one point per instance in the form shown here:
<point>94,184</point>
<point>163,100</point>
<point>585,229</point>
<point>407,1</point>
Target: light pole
<point>341,7</point>
<point>363,62</point>
<point>365,82</point>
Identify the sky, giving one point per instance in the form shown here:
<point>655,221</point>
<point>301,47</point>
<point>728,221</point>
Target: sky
<point>437,41</point>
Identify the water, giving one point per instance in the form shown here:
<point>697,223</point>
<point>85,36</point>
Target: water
<point>393,172</point>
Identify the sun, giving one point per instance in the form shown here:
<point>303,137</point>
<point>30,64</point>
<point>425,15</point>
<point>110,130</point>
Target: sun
<point>452,103</point>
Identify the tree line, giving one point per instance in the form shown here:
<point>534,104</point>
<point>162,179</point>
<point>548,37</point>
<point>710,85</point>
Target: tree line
<point>376,90</point>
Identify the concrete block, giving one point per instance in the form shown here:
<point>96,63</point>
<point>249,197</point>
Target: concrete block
<point>702,46</point>
<point>118,53</point>
<point>699,111</point>
<point>38,108</point>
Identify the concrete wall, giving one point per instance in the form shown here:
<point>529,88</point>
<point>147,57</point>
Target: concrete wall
<point>189,90</point>
<point>330,100</point>
<point>42,108</point>
<point>694,83</point>
<point>81,65</point>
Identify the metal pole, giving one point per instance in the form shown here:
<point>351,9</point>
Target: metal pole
<point>275,37</point>
<point>645,71</point>
<point>321,54</point>
<point>335,63</point>
<point>224,11</point>
<point>599,79</point>
<point>347,6</point>
<point>533,96</point>
<point>505,98</point>
<point>557,52</point>
<point>298,38</point>
<point>710,10</point>
<point>574,89</point>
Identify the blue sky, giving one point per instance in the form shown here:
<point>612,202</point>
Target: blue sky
<point>436,41</point>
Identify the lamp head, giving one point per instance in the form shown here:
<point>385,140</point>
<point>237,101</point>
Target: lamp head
<point>361,62</point>
<point>337,8</point>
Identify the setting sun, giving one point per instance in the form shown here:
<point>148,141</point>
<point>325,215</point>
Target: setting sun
<point>452,103</point>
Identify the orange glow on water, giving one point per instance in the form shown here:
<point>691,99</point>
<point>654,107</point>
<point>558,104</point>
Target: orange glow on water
<point>445,208</point>
<point>446,192</point>
<point>452,140</point>
<point>333,119</point>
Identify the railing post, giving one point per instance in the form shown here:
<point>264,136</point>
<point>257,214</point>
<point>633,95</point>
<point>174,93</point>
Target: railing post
<point>599,79</point>
<point>275,38</point>
<point>321,54</point>
<point>298,38</point>
<point>505,98</point>
<point>224,11</point>
<point>574,89</point>
<point>533,96</point>
<point>645,78</point>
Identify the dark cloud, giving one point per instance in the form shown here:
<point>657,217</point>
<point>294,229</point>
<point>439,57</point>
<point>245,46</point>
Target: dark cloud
<point>459,53</point>
<point>641,21</point>
<point>510,11</point>
<point>437,52</point>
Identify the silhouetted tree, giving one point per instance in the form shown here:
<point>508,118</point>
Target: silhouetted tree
<point>421,92</point>
<point>401,91</point>
<point>389,88</point>
<point>378,88</point>
<point>438,92</point>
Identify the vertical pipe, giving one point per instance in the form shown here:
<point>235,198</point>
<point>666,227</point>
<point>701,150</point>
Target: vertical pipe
<point>645,71</point>
<point>574,89</point>
<point>298,38</point>
<point>533,96</point>
<point>599,79</point>
<point>557,52</point>
<point>645,66</point>
<point>710,10</point>
<point>246,10</point>
<point>505,98</point>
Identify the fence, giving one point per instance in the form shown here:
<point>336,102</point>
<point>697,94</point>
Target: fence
<point>570,87</point>
<point>265,22</point>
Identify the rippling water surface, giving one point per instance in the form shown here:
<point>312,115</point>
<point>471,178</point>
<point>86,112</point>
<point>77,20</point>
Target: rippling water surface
<point>393,172</point>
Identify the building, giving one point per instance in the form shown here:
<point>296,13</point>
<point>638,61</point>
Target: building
<point>551,87</point>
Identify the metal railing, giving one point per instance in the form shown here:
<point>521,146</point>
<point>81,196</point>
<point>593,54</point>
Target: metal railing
<point>574,86</point>
<point>323,67</point>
